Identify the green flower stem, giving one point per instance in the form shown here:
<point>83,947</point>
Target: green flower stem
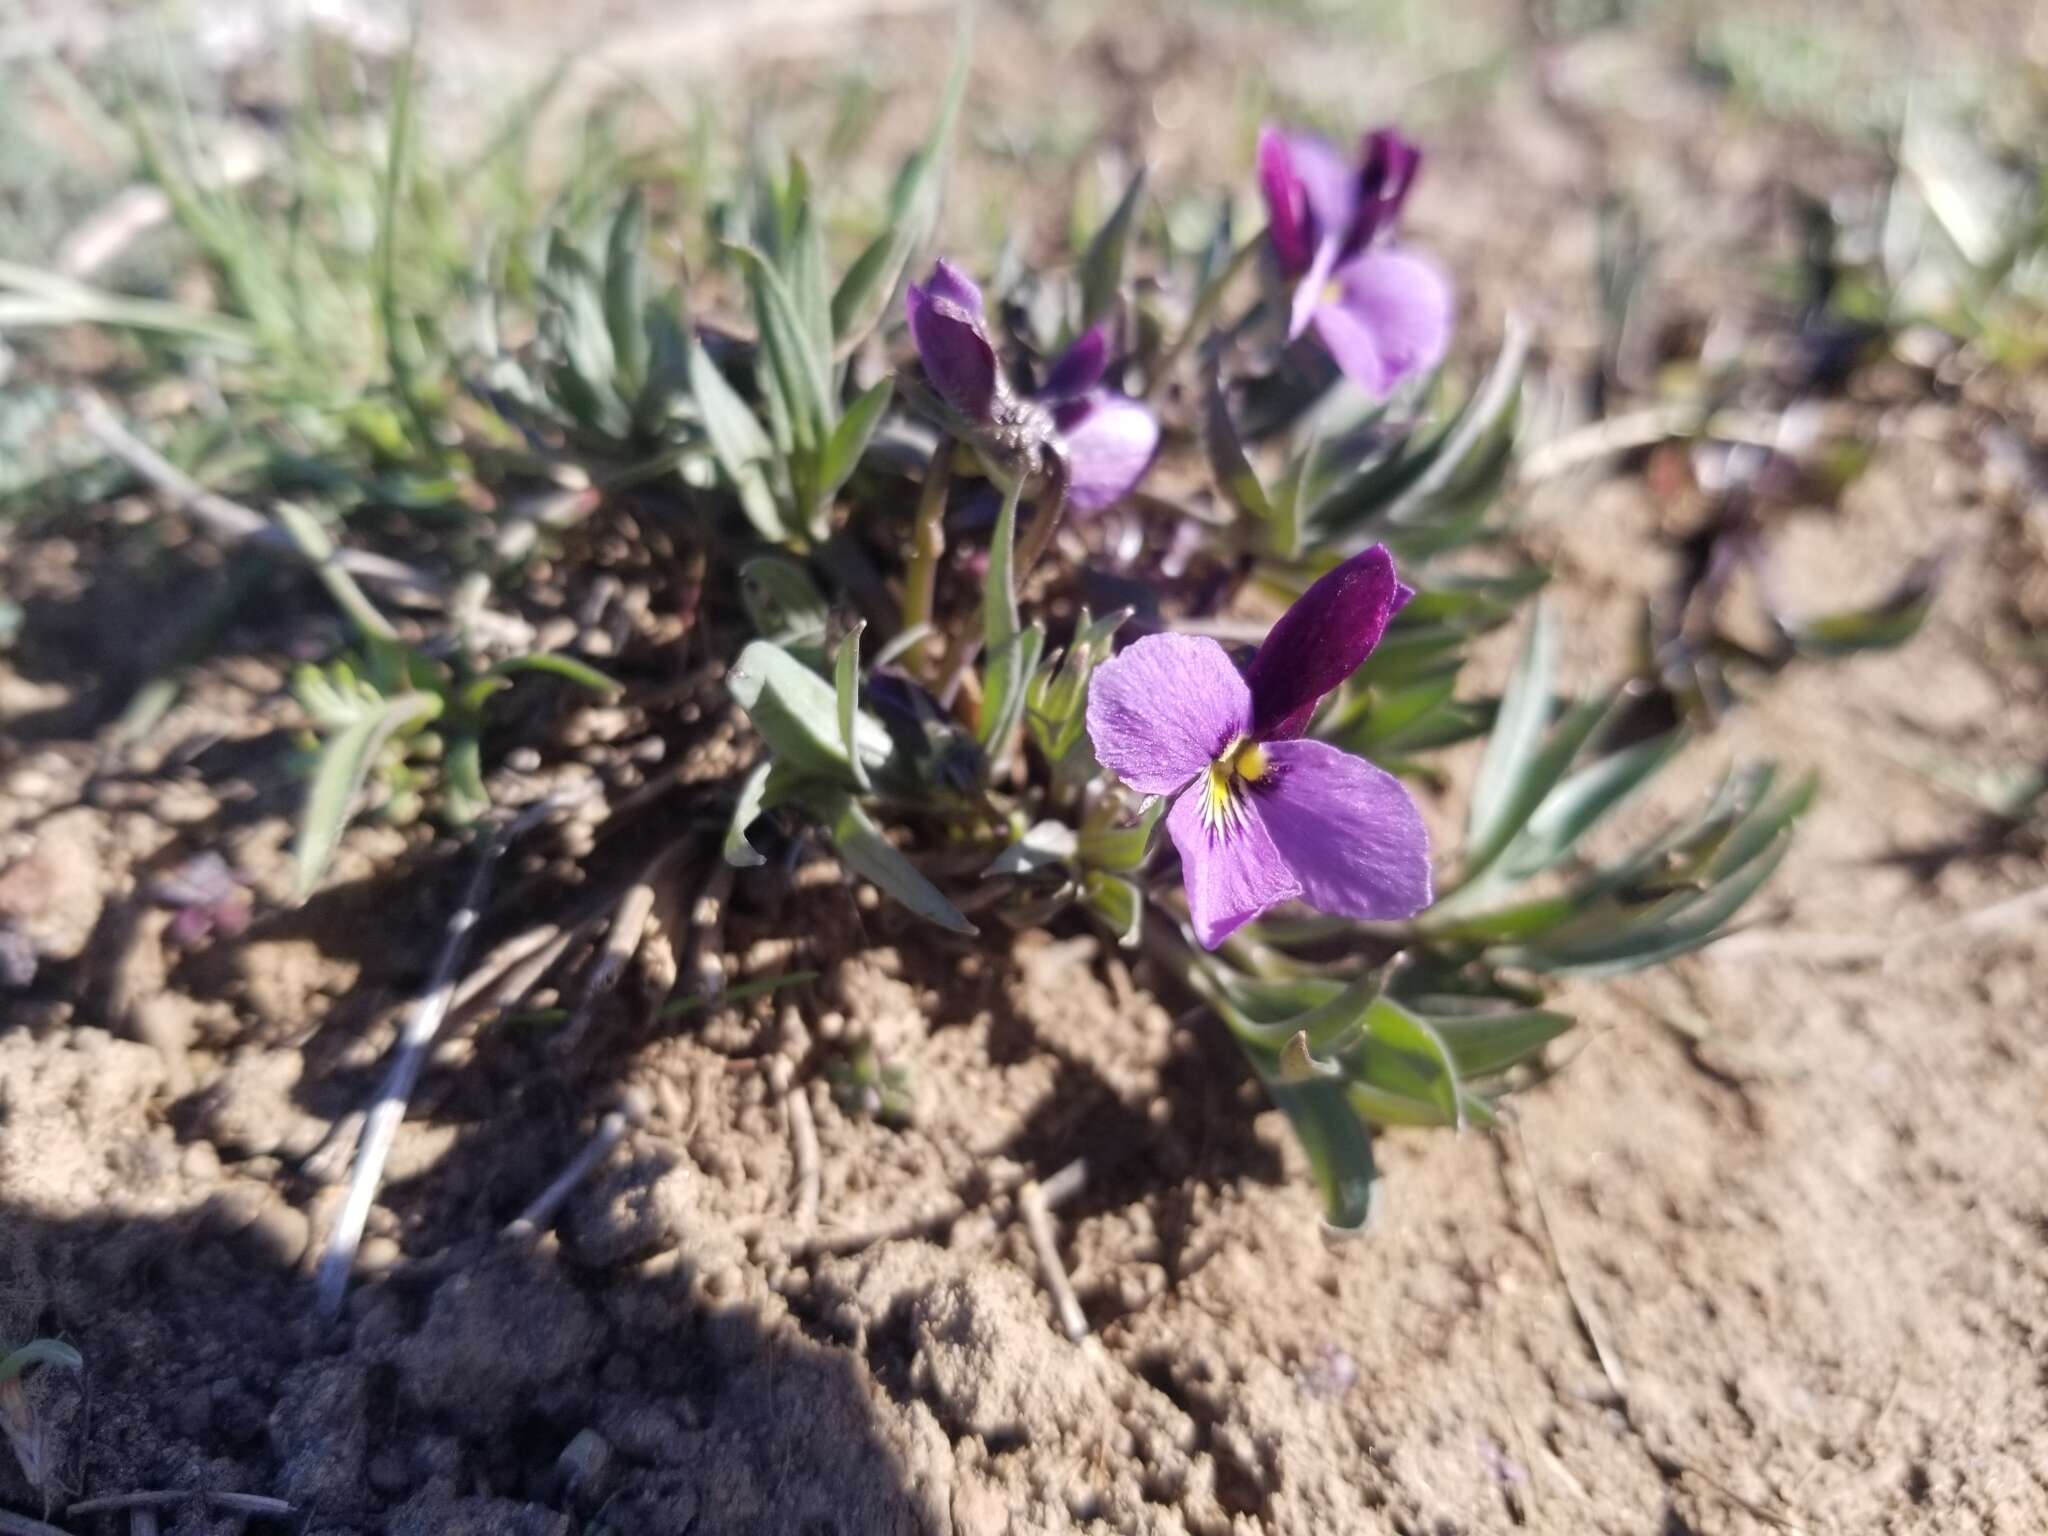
<point>1045,523</point>
<point>929,539</point>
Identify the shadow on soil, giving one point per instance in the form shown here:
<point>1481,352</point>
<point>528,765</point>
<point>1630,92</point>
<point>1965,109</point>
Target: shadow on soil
<point>470,1404</point>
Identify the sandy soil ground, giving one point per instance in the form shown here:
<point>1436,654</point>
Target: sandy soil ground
<point>1768,1249</point>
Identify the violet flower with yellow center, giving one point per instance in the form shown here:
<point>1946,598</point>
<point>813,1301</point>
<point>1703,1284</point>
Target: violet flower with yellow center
<point>1108,440</point>
<point>1263,816</point>
<point>1383,312</point>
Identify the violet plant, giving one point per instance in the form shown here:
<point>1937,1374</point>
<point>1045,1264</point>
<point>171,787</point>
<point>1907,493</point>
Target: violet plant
<point>1003,756</point>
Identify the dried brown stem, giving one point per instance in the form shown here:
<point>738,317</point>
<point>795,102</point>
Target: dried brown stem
<point>1035,1209</point>
<point>540,1215</point>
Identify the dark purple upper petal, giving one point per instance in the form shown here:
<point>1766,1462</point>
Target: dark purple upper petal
<point>1389,317</point>
<point>1232,873</point>
<point>952,342</point>
<point>1078,369</point>
<point>1110,442</point>
<point>1287,223</point>
<point>1388,166</point>
<point>948,282</point>
<point>1349,832</point>
<point>1162,709</point>
<point>1322,640</point>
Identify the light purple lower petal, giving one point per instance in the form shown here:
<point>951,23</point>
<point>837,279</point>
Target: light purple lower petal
<point>1110,441</point>
<point>1162,709</point>
<point>1232,875</point>
<point>1308,293</point>
<point>1348,830</point>
<point>1391,318</point>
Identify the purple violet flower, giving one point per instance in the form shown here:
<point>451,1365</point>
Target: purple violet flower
<point>1383,312</point>
<point>207,896</point>
<point>1107,439</point>
<point>1262,815</point>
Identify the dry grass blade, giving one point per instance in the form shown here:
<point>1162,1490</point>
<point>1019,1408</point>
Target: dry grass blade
<point>240,1503</point>
<point>423,1022</point>
<point>1035,1209</point>
<point>22,1525</point>
<point>540,1215</point>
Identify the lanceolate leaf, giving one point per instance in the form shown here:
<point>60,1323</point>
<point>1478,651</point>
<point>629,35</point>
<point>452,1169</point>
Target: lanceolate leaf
<point>1389,1024</point>
<point>800,372</point>
<point>871,856</point>
<point>752,801</point>
<point>847,681</point>
<point>344,764</point>
<point>1005,682</point>
<point>797,713</point>
<point>1232,468</point>
<point>1338,1147</point>
<point>625,291</point>
<point>849,440</point>
<point>742,449</point>
<point>1102,267</point>
<point>1118,903</point>
<point>1517,734</point>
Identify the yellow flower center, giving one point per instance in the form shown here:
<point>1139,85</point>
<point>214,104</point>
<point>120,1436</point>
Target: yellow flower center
<point>1242,762</point>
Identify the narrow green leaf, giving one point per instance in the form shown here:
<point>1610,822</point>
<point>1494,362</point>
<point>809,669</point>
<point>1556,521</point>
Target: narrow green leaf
<point>800,371</point>
<point>1517,733</point>
<point>1228,461</point>
<point>309,535</point>
<point>848,681</point>
<point>570,670</point>
<point>848,442</point>
<point>1881,627</point>
<point>739,992</point>
<point>625,292</point>
<point>807,288</point>
<point>1102,266</point>
<point>741,448</point>
<point>1338,1147</point>
<point>1005,681</point>
<point>1635,946</point>
<point>752,802</point>
<point>1118,903</point>
<point>338,778</point>
<point>782,602</point>
<point>1485,1043</point>
<point>1388,1023</point>
<point>1534,781</point>
<point>49,1352</point>
<point>1120,848</point>
<point>464,796</point>
<point>1582,801</point>
<point>871,856</point>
